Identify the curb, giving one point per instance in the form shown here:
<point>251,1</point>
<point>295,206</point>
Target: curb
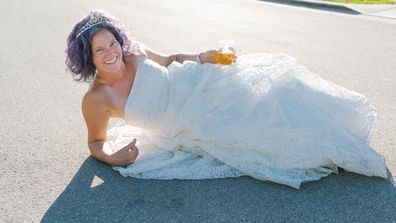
<point>377,10</point>
<point>321,5</point>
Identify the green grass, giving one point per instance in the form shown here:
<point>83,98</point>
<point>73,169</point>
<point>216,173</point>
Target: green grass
<point>365,1</point>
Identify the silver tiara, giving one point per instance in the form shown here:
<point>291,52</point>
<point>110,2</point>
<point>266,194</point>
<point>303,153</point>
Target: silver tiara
<point>93,21</point>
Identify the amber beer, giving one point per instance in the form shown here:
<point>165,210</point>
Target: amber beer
<point>224,58</point>
<point>226,54</point>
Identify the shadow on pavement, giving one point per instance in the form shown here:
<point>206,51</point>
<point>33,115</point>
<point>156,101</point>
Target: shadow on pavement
<point>345,197</point>
<point>316,5</point>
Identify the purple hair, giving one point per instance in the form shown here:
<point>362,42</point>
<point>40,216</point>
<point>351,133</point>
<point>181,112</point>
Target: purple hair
<point>79,44</point>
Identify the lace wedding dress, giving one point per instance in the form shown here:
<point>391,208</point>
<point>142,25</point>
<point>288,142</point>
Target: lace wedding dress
<point>266,117</point>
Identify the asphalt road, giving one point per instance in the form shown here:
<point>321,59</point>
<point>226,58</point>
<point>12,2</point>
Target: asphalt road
<point>46,173</point>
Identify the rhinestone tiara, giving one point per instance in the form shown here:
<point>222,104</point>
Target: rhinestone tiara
<point>93,21</point>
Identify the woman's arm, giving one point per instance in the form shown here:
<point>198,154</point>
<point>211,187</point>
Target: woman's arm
<point>166,60</point>
<point>96,118</point>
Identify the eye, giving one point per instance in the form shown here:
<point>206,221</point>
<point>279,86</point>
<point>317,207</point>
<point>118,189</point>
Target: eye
<point>98,51</point>
<point>113,44</point>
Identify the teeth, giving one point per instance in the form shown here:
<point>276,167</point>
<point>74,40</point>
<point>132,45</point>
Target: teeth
<point>111,61</point>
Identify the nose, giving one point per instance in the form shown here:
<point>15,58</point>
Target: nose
<point>109,53</point>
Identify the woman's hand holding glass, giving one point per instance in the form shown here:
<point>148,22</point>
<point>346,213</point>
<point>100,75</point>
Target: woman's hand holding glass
<point>225,55</point>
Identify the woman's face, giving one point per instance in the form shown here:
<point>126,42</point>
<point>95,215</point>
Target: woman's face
<point>106,52</point>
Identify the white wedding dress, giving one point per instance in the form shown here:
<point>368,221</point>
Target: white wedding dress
<point>265,116</point>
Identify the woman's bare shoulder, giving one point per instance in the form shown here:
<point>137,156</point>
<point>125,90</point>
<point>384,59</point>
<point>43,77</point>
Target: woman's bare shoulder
<point>130,59</point>
<point>96,98</point>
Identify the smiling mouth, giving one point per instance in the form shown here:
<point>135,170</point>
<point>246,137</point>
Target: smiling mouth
<point>112,61</point>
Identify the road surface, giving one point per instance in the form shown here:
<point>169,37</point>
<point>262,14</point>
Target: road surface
<point>46,173</point>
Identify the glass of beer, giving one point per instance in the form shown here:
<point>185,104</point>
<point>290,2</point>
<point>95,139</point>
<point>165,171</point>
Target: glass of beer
<point>226,54</point>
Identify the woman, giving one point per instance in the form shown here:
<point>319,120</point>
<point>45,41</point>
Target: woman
<point>264,116</point>
<point>98,51</point>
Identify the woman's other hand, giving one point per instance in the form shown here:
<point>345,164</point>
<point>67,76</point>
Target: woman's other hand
<point>208,56</point>
<point>125,156</point>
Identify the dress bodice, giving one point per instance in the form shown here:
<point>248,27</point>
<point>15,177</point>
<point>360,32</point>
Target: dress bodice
<point>148,97</point>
